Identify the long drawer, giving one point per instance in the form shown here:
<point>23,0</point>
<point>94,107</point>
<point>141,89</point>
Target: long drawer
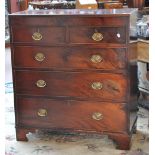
<point>62,30</point>
<point>69,21</point>
<point>72,84</point>
<point>69,114</point>
<point>82,35</point>
<point>69,58</point>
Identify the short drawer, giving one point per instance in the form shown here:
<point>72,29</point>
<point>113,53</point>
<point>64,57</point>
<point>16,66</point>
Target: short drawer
<point>98,35</point>
<point>37,35</point>
<point>99,86</point>
<point>69,58</point>
<point>71,115</point>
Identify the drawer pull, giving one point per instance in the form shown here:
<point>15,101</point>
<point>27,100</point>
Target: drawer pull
<point>39,57</point>
<point>41,83</point>
<point>96,58</point>
<point>42,112</point>
<point>97,36</point>
<point>36,36</point>
<point>97,116</point>
<point>97,85</point>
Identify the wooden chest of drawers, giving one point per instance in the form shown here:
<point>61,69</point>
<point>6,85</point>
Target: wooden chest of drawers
<point>71,72</point>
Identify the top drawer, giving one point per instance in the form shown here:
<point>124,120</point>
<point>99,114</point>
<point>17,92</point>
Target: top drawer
<point>69,30</point>
<point>98,35</point>
<point>69,21</point>
<point>38,35</point>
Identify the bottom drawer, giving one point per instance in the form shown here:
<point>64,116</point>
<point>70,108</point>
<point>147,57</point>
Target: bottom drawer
<point>71,115</point>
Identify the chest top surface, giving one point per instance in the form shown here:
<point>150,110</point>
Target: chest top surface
<point>79,12</point>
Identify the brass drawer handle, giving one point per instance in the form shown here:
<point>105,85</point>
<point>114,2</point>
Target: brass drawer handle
<point>41,83</point>
<point>97,36</point>
<point>97,85</point>
<point>39,57</point>
<point>97,116</point>
<point>37,36</point>
<point>42,112</point>
<point>96,58</point>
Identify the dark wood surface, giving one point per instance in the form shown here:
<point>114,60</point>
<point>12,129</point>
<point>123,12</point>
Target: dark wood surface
<point>70,20</point>
<point>75,85</point>
<point>72,115</point>
<point>50,34</point>
<point>62,31</point>
<point>78,35</point>
<point>66,58</point>
<point>70,74</point>
<point>84,34</point>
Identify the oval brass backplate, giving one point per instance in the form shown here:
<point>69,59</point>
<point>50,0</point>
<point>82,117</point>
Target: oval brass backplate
<point>39,57</point>
<point>97,116</point>
<point>42,112</point>
<point>96,58</point>
<point>97,36</point>
<point>41,83</point>
<point>37,36</point>
<point>97,85</point>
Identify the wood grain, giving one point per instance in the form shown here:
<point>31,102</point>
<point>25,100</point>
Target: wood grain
<point>65,58</point>
<point>70,114</point>
<point>49,34</point>
<point>77,95</point>
<point>84,34</point>
<point>72,84</point>
<point>143,51</point>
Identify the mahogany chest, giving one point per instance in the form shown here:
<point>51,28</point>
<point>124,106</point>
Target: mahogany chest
<point>71,72</point>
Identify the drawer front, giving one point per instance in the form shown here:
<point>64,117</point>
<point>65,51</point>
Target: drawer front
<point>72,115</point>
<point>70,20</point>
<point>72,84</point>
<point>69,58</point>
<point>81,29</point>
<point>37,35</point>
<point>98,35</point>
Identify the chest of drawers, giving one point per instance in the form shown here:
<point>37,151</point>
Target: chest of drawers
<point>71,72</point>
